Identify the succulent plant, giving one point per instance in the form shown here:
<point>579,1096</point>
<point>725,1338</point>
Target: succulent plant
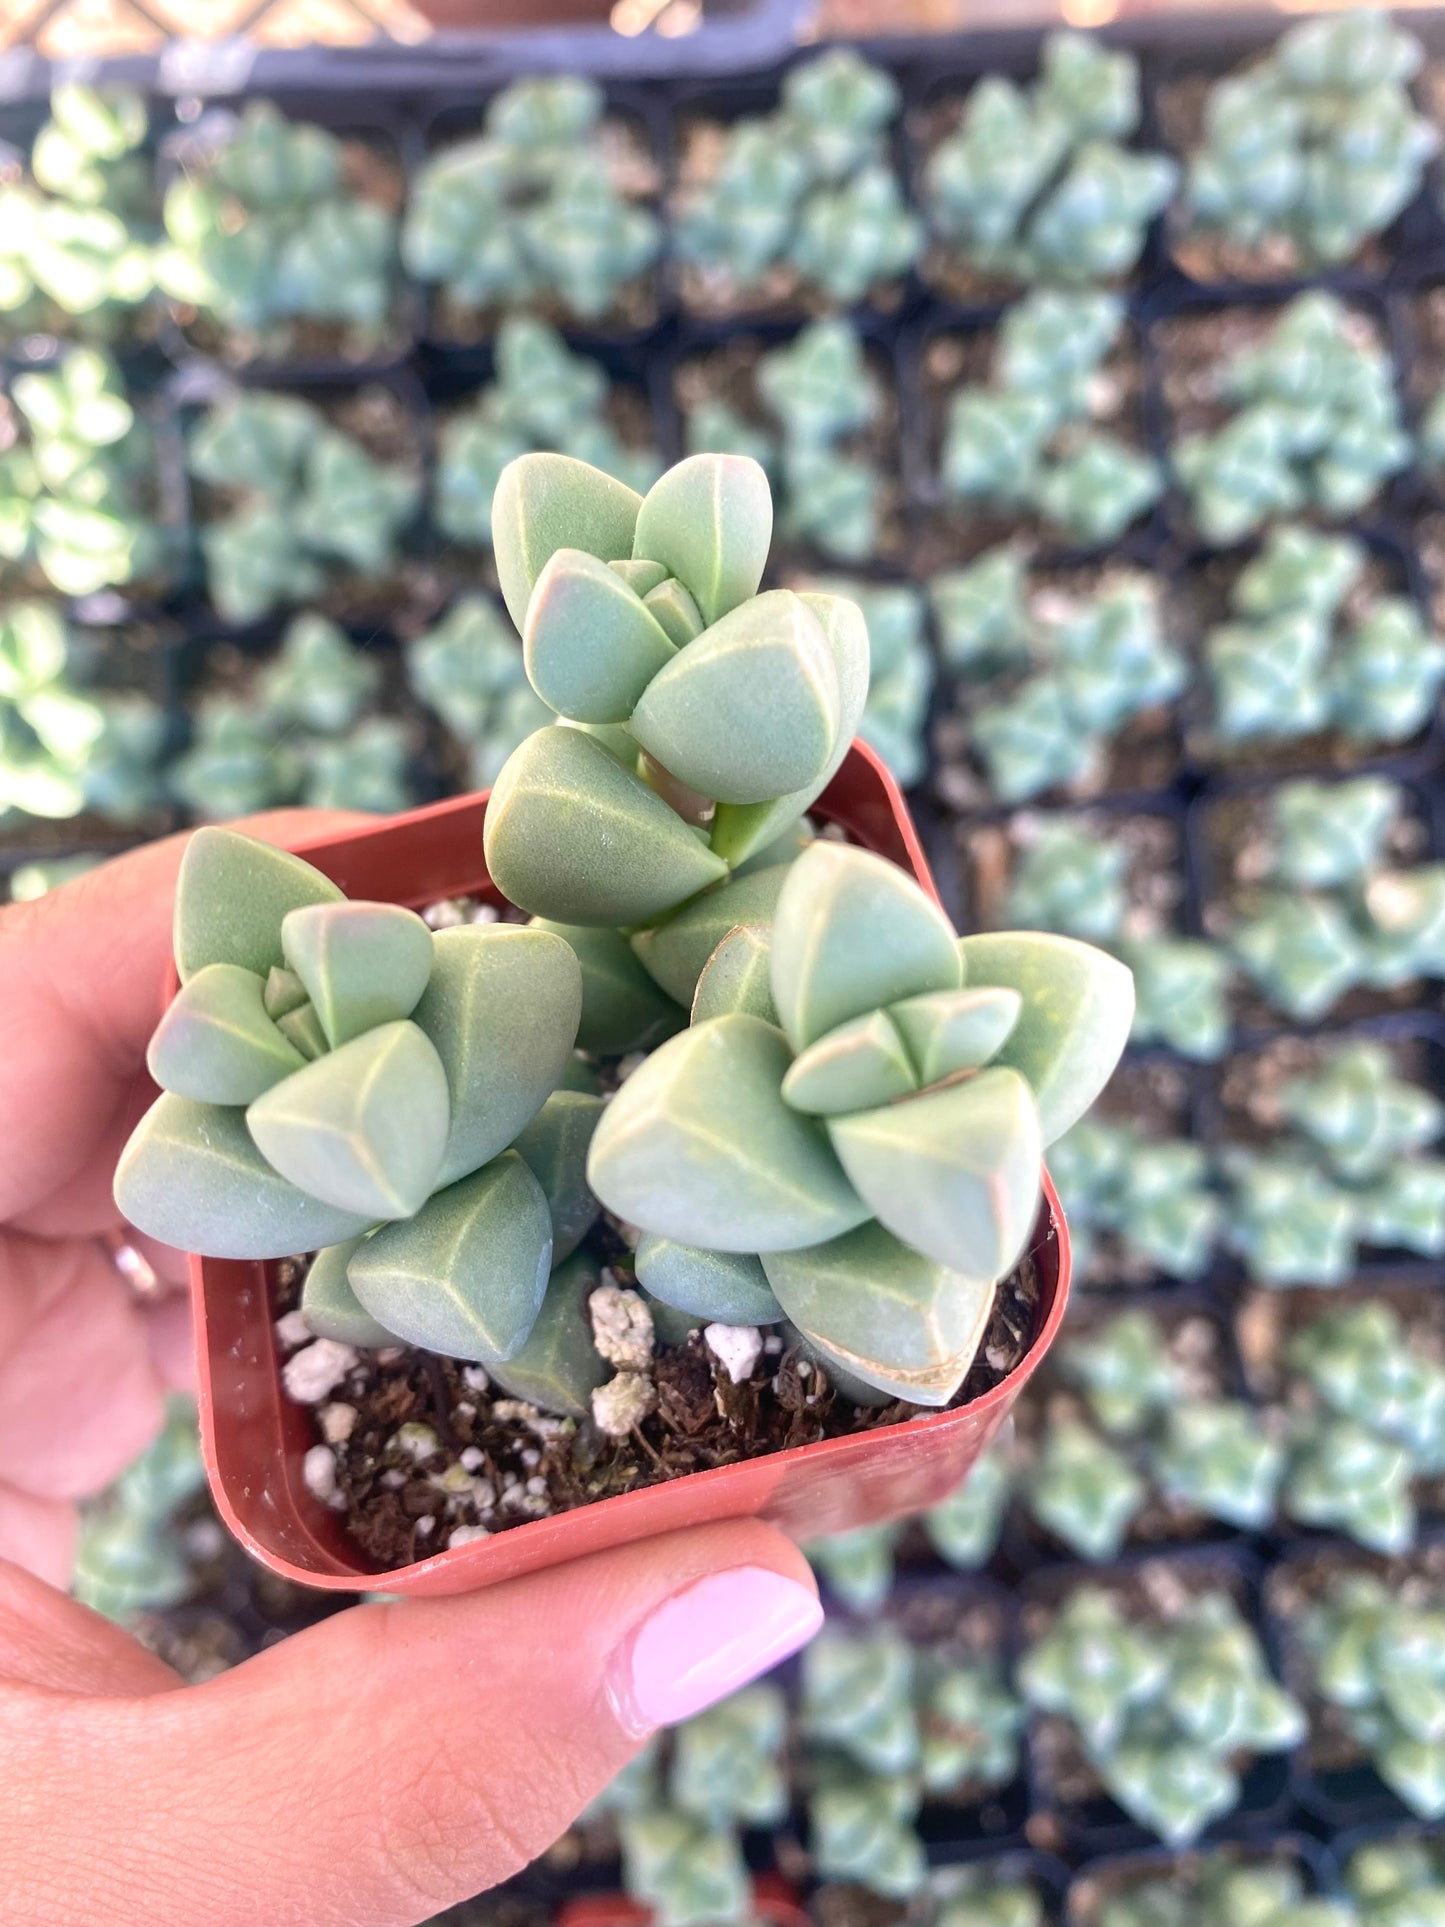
<point>687,1873</point>
<point>987,1897</point>
<point>1165,1706</point>
<point>234,764</point>
<point>1083,1489</point>
<point>1025,442</point>
<point>468,670</point>
<point>901,671</point>
<point>1124,1370</point>
<point>1036,185</point>
<point>857,1566</point>
<point>1222,1889</point>
<point>542,397</point>
<point>77,237</point>
<point>726,1767</point>
<point>318,1071</point>
<point>1377,1656</point>
<point>971,1725</point>
<point>860,1828</point>
<point>1316,148</point>
<point>964,1528</point>
<point>1214,1457</point>
<point>860,1697</point>
<point>130,1558</point>
<point>1395,1882</point>
<point>1312,422</point>
<point>538,207</point>
<point>808,193</point>
<point>1301,654</point>
<point>366,768</point>
<point>266,232</point>
<point>1070,879</point>
<point>1097,662</point>
<point>1331,915</point>
<point>821,392</point>
<point>78,486</point>
<point>39,877</point>
<point>64,746</point>
<point>309,501</point>
<point>983,613</point>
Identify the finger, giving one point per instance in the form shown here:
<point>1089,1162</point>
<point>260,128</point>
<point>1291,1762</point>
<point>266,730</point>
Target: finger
<point>79,1394</point>
<point>171,1343</point>
<point>82,971</point>
<point>50,1640</point>
<point>394,1759</point>
<point>39,1535</point>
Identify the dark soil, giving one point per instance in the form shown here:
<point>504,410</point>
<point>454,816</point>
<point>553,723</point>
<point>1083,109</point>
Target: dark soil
<point>534,1466</point>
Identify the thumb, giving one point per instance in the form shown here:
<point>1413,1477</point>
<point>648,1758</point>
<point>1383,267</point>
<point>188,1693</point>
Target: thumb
<point>392,1760</point>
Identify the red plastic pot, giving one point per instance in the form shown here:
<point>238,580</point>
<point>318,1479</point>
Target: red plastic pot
<point>774,1902</point>
<point>254,1438</point>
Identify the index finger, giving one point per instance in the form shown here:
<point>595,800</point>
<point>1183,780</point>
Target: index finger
<point>82,985</point>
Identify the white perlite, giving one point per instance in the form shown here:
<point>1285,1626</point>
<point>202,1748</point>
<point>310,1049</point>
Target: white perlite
<point>291,1331</point>
<point>737,1347</point>
<point>476,1377</point>
<point>623,1402</point>
<point>621,1327</point>
<point>467,1535</point>
<point>318,1469</point>
<point>338,1422</point>
<point>310,1374</point>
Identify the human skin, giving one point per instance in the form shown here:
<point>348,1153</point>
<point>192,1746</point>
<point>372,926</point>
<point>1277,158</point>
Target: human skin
<point>381,1765</point>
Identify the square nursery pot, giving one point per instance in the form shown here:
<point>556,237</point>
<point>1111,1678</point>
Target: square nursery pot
<point>255,1438</point>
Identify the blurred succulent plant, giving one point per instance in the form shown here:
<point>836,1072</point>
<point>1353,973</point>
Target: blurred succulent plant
<point>1025,441</point>
<point>1331,914</point>
<point>1096,661</point>
<point>1316,148</point>
<point>1036,184</point>
<point>1222,1889</point>
<point>860,1828</point>
<point>1124,1370</point>
<point>1397,1880</point>
<point>807,193</point>
<point>78,484</point>
<point>468,669</point>
<point>44,874</point>
<point>1215,1457</point>
<point>543,205</point>
<point>368,767</point>
<point>78,237</point>
<point>1083,1490</point>
<point>1166,1706</point>
<point>54,739</point>
<point>970,1728</point>
<point>1071,879</point>
<point>857,1566</point>
<point>1372,1425</point>
<point>822,394</point>
<point>860,1697</point>
<point>1377,1656</point>
<point>1307,648</point>
<point>542,397</point>
<point>987,1897</point>
<point>983,614</point>
<point>684,1871</point>
<point>901,671</point>
<point>308,501</point>
<point>235,764</point>
<point>1312,423</point>
<point>1287,1221</point>
<point>727,1763</point>
<point>267,231</point>
<point>319,1078</point>
<point>130,1557</point>
<point>964,1528</point>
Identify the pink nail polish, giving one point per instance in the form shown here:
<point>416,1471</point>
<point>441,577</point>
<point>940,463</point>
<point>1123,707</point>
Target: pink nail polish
<point>706,1642</point>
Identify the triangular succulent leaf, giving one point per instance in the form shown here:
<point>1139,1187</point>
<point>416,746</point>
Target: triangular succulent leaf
<point>331,1309</point>
<point>590,644</point>
<point>676,952</point>
<point>231,895</point>
<point>737,976</point>
<point>710,519</point>
<point>861,1064</point>
<point>215,1042</point>
<point>559,1367</point>
<point>554,1148</point>
<point>718,1287</point>
<point>947,1031</point>
<point>545,502</point>
<point>622,1008</point>
<point>362,964</point>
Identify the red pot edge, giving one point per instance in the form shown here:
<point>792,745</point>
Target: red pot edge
<point>424,1576</point>
<point>774,1899</point>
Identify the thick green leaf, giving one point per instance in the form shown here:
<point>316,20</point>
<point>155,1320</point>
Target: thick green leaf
<point>860,1064</point>
<point>559,1367</point>
<point>749,711</point>
<point>676,952</point>
<point>579,1074</point>
<point>215,1042</point>
<point>545,502</point>
<point>362,964</point>
<point>364,1127</point>
<point>285,992</point>
<point>467,1275</point>
<point>710,519</point>
<point>231,896</point>
<point>641,577</point>
<point>675,612</point>
<point>844,1382</point>
<point>718,1287</point>
<point>737,976</point>
<point>955,1172</point>
<point>302,1029</point>
<point>590,645</point>
<point>851,933</point>
<point>784,848</point>
<point>191,1177</point>
<point>955,1030</point>
<point>572,836</point>
<point>332,1309</point>
<point>554,1147</point>
<point>622,1008</point>
<point>1078,1007</point>
<point>901,1322</point>
<point>698,1145</point>
<point>501,1008</point>
<point>672,1327</point>
<point>740,830</point>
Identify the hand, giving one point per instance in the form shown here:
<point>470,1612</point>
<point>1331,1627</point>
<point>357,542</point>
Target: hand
<point>387,1762</point>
